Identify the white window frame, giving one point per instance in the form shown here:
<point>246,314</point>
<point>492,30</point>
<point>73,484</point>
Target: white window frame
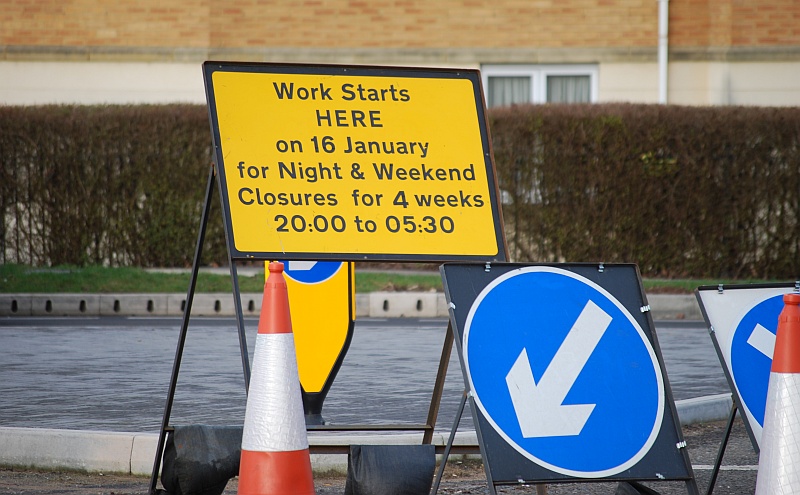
<point>538,74</point>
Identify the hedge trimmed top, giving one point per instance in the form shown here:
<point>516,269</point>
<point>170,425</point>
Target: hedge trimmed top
<point>681,191</point>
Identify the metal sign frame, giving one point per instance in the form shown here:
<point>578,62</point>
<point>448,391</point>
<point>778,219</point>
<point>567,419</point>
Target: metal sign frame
<point>217,177</point>
<point>427,428</point>
<point>665,459</point>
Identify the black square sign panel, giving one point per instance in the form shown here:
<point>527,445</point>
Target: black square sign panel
<point>565,374</point>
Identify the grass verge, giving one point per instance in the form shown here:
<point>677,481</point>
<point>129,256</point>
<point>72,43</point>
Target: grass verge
<point>104,280</point>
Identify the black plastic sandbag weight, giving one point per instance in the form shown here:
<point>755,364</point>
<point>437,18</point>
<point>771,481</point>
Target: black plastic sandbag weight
<point>390,469</point>
<point>201,459</point>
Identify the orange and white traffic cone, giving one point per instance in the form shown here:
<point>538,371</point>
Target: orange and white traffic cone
<point>779,461</point>
<point>275,456</point>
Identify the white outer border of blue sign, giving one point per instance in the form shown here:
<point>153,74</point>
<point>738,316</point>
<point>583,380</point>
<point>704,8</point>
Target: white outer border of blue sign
<point>656,366</point>
<point>754,298</point>
<point>754,425</point>
<point>725,316</point>
<point>341,264</point>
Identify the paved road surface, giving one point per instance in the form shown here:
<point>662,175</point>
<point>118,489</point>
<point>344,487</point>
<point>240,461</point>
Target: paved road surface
<point>113,373</point>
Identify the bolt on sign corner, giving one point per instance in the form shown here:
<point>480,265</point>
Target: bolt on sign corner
<point>348,162</point>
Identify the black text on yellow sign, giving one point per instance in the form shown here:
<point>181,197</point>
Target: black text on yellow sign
<point>354,162</point>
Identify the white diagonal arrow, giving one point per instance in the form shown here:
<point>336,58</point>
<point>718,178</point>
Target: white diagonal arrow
<point>301,266</point>
<point>763,340</point>
<point>538,406</point>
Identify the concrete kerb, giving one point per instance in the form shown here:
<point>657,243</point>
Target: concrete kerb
<point>133,453</point>
<point>67,449</point>
<point>704,409</point>
<point>674,307</point>
<point>374,304</point>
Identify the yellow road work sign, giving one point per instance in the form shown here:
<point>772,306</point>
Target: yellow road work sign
<point>354,163</point>
<point>322,303</point>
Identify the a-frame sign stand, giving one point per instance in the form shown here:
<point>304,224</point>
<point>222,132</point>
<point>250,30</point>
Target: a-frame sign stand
<point>427,428</point>
<point>303,196</point>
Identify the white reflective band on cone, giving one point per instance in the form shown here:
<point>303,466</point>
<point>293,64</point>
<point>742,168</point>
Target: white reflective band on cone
<point>274,420</point>
<point>779,461</point>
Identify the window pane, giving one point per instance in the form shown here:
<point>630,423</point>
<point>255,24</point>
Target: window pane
<point>568,89</point>
<point>508,90</point>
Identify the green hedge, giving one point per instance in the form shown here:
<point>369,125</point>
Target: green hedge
<point>681,191</point>
<point>121,185</point>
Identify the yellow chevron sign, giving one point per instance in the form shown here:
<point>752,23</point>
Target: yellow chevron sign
<point>322,304</point>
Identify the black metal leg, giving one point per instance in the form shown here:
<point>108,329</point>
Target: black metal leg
<point>449,444</point>
<point>721,451</point>
<point>187,310</point>
<point>438,387</point>
<point>237,304</point>
<point>642,489</point>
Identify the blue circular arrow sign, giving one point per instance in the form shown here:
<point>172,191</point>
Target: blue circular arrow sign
<point>563,372</point>
<point>751,354</point>
<point>310,272</point>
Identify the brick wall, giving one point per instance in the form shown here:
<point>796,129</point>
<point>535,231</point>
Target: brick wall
<point>126,23</point>
<point>395,24</point>
<point>436,24</point>
<point>329,23</point>
<point>734,23</point>
<point>761,23</point>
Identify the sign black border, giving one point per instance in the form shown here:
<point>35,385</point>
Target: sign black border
<point>503,464</point>
<point>471,75</point>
